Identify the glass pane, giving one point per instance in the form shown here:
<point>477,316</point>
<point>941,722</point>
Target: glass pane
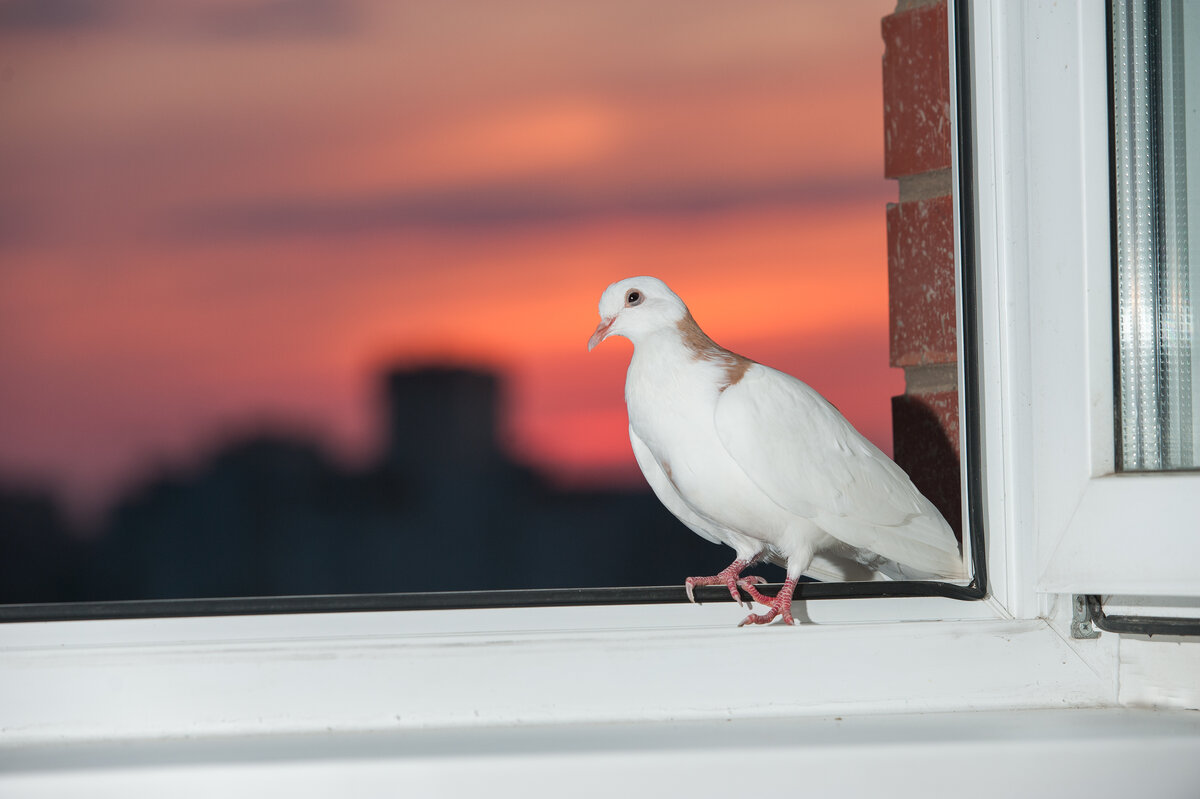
<point>1156,92</point>
<point>294,294</point>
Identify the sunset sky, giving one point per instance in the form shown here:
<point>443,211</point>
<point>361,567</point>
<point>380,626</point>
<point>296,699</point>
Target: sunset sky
<point>223,215</point>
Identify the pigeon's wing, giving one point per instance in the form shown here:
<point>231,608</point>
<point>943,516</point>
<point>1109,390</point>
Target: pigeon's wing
<point>808,459</point>
<point>664,489</point>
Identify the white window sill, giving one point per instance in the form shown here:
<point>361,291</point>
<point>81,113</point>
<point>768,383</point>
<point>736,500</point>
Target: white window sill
<point>361,672</point>
<point>869,697</point>
<point>1094,753</point>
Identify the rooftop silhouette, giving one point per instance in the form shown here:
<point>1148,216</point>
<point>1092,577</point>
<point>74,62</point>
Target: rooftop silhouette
<point>443,507</point>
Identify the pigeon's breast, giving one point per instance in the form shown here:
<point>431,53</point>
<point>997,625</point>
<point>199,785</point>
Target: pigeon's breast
<point>671,411</point>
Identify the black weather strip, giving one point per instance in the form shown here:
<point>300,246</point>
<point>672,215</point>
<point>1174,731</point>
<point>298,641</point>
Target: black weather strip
<point>1139,625</point>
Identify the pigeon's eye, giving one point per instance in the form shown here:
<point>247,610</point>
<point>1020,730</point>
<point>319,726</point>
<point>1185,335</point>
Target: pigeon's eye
<point>634,297</point>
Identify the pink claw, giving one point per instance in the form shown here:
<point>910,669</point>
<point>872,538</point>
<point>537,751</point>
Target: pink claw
<point>780,606</point>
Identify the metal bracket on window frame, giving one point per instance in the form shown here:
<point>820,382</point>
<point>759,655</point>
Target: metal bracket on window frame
<point>1081,618</point>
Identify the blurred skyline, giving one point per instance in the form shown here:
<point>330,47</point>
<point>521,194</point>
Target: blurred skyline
<point>271,514</point>
<point>222,216</point>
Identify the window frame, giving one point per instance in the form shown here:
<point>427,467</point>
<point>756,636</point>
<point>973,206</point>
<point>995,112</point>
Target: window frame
<point>1045,249</point>
<point>141,678</point>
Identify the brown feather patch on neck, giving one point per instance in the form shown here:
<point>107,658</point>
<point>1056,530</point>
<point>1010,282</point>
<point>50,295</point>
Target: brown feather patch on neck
<point>704,348</point>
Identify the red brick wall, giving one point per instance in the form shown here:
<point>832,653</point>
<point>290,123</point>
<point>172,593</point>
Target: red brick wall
<point>916,114</point>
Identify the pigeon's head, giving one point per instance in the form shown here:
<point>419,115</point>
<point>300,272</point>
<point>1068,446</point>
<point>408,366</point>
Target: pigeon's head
<point>636,306</point>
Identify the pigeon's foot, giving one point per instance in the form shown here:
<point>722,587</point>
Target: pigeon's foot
<point>729,576</point>
<point>747,584</point>
<point>780,606</point>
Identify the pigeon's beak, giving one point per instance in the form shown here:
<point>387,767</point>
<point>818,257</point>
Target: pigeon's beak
<point>601,332</point>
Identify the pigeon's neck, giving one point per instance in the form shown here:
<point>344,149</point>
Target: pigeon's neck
<point>685,346</point>
<point>696,341</point>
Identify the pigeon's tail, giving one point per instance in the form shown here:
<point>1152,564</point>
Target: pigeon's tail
<point>850,566</point>
<point>924,548</point>
<point>861,565</point>
<point>921,545</point>
<point>900,571</point>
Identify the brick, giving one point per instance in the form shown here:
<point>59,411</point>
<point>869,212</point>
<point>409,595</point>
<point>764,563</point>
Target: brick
<point>925,442</point>
<point>916,90</point>
<point>921,319</point>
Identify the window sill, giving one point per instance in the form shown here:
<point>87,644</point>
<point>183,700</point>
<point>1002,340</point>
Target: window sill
<point>389,671</point>
<point>1095,753</point>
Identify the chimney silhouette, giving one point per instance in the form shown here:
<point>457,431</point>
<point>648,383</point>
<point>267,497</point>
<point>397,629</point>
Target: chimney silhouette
<point>441,419</point>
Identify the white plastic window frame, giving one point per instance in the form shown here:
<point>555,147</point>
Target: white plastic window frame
<point>1043,212</point>
<point>152,678</point>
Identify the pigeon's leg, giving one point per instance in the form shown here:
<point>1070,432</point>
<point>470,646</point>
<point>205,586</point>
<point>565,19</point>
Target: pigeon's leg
<point>730,576</point>
<point>781,605</point>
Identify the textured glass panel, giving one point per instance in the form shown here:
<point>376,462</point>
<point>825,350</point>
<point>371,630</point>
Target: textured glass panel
<point>1155,46</point>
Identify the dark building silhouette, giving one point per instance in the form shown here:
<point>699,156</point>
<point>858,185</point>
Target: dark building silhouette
<point>38,555</point>
<point>442,419</point>
<point>442,508</point>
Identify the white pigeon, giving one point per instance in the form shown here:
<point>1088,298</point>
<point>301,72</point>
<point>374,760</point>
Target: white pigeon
<point>748,456</point>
